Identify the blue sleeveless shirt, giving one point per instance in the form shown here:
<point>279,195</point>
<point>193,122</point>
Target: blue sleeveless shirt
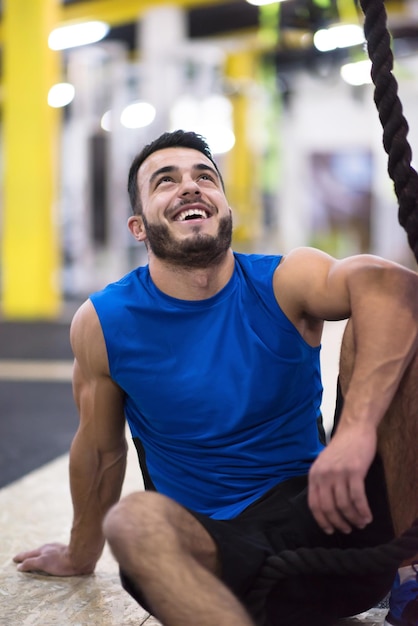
<point>222,394</point>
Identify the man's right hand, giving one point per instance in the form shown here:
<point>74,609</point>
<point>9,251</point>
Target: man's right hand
<point>52,559</point>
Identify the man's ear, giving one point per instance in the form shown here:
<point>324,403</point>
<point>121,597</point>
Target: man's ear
<point>137,228</point>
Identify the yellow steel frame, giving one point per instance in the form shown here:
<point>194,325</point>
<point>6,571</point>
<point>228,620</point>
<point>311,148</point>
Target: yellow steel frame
<point>29,252</point>
<point>116,13</point>
<point>122,11</point>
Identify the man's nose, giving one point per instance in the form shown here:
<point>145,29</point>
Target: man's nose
<point>190,187</point>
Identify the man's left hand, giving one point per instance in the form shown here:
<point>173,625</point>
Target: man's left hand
<point>337,496</point>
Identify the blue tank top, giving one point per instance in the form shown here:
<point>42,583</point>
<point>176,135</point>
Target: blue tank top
<point>222,394</point>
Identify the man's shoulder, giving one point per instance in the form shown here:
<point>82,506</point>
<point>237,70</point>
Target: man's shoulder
<point>306,260</point>
<point>258,262</point>
<point>85,326</point>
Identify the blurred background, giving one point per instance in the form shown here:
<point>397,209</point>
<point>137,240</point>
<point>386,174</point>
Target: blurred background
<point>281,91</point>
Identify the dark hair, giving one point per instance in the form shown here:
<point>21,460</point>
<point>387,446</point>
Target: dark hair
<point>176,139</point>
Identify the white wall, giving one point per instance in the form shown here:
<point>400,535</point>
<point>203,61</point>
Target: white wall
<point>325,114</point>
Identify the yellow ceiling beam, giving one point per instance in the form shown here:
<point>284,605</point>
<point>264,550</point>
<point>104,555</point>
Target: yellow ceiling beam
<point>117,13</point>
<point>122,11</point>
<point>125,11</point>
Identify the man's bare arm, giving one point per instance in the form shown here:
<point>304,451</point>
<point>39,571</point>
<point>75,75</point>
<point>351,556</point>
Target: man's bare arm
<point>382,299</point>
<point>97,455</point>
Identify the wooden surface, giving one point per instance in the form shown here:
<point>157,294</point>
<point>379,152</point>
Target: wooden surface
<point>36,510</point>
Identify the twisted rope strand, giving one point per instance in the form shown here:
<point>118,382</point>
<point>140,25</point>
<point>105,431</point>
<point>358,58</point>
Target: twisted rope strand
<point>336,561</point>
<point>395,126</point>
<point>340,562</point>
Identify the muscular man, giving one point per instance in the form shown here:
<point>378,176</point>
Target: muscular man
<point>213,359</point>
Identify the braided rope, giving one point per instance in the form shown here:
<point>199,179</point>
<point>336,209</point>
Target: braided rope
<point>373,560</point>
<point>395,126</point>
<point>341,562</point>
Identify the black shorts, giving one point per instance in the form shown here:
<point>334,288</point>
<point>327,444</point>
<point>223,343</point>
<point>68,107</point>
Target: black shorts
<point>281,520</point>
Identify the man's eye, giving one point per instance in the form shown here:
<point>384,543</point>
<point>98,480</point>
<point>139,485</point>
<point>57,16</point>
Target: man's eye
<point>165,179</point>
<point>206,177</point>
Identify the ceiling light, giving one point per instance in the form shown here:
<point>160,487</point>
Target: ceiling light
<point>138,115</point>
<point>220,139</point>
<point>342,36</point>
<point>106,121</point>
<point>75,35</point>
<point>210,117</point>
<point>260,3</point>
<point>357,73</point>
<point>60,95</point>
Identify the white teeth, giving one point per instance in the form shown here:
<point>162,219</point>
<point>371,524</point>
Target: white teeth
<point>190,212</point>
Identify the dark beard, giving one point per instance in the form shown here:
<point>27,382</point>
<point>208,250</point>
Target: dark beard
<point>194,253</point>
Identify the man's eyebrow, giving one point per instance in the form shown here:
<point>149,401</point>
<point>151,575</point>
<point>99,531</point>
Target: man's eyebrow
<point>167,169</point>
<point>204,168</point>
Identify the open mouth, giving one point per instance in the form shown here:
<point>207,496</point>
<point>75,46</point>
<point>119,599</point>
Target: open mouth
<point>192,214</point>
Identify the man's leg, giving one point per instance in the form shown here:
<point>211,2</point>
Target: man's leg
<point>172,560</point>
<point>397,439</point>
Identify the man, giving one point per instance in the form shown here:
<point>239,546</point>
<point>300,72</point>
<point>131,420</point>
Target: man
<point>213,359</point>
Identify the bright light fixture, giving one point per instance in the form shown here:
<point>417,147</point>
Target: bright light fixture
<point>75,35</point>
<point>210,117</point>
<point>341,36</point>
<point>220,139</point>
<point>60,95</point>
<point>106,121</point>
<point>357,73</point>
<point>261,3</point>
<point>138,115</point>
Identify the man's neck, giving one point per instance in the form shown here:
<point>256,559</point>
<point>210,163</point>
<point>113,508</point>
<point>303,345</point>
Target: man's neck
<point>190,283</point>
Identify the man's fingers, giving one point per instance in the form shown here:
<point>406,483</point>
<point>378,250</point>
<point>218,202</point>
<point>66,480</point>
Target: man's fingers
<point>337,494</point>
<point>325,509</point>
<point>360,503</point>
<point>21,556</point>
<point>340,506</point>
<point>48,559</point>
<point>351,501</point>
<point>347,509</point>
<point>31,565</point>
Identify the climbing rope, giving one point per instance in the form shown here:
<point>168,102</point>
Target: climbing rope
<point>373,560</point>
<point>395,126</point>
<point>322,561</point>
<point>388,556</point>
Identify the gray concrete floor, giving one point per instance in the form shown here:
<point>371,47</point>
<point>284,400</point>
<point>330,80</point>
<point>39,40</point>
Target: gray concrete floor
<point>38,417</point>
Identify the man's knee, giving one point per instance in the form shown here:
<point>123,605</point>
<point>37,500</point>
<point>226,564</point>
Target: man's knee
<point>137,517</point>
<point>151,524</point>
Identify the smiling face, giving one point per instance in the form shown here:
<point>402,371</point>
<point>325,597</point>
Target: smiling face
<point>185,216</point>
